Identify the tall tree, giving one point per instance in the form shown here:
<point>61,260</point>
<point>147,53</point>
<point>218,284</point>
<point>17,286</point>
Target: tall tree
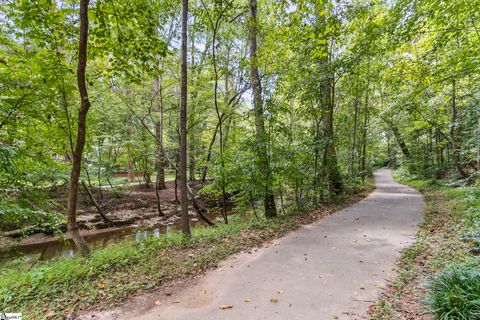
<point>261,135</point>
<point>183,124</point>
<point>81,133</point>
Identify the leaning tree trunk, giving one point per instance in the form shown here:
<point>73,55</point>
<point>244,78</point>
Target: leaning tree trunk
<point>183,126</point>
<point>261,136</point>
<point>399,139</point>
<point>72,225</point>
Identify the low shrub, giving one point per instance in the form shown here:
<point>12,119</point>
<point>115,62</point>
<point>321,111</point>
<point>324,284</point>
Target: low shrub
<point>454,293</point>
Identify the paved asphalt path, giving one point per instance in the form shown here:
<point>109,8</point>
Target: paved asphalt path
<point>331,269</point>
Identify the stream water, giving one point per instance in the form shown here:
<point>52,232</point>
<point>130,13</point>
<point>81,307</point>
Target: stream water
<point>30,254</point>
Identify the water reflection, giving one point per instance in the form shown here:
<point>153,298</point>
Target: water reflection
<point>31,254</point>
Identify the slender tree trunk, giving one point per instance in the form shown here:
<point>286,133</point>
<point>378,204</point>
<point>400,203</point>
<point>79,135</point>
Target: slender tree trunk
<point>130,161</point>
<point>209,152</point>
<point>316,149</point>
<point>193,101</point>
<point>334,179</point>
<point>183,126</point>
<point>478,150</point>
<point>453,134</point>
<point>160,163</point>
<point>158,88</point>
<point>261,136</point>
<point>157,195</point>
<point>399,138</point>
<point>354,139</point>
<point>220,124</point>
<point>439,148</point>
<point>363,166</point>
<point>72,225</point>
<point>96,204</point>
<point>327,83</point>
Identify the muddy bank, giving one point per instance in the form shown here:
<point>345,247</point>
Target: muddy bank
<point>132,209</point>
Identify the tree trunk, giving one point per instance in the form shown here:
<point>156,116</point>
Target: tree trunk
<point>220,124</point>
<point>354,139</point>
<point>363,166</point>
<point>130,161</point>
<point>334,179</point>
<point>399,139</point>
<point>193,101</point>
<point>157,195</point>
<point>327,86</point>
<point>72,225</point>
<point>96,204</point>
<point>183,126</point>
<point>261,137</point>
<point>209,152</point>
<point>158,88</point>
<point>478,150</point>
<point>453,135</point>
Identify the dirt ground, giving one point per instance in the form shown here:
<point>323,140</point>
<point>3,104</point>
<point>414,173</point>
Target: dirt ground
<point>133,206</point>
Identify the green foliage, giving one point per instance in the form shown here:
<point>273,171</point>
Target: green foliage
<point>454,293</point>
<point>13,216</point>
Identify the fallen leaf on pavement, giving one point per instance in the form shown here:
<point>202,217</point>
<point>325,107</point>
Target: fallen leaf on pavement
<point>225,306</point>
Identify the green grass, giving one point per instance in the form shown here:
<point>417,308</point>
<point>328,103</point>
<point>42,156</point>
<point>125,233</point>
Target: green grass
<point>454,293</point>
<point>114,272</point>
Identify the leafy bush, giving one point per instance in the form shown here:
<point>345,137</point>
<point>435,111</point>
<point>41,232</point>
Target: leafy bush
<point>454,294</point>
<point>13,215</point>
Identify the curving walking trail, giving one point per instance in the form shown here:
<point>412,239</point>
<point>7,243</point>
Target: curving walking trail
<point>331,269</point>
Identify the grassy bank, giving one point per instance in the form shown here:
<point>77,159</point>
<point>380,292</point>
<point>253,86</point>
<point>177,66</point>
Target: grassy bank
<point>449,238</point>
<point>109,276</point>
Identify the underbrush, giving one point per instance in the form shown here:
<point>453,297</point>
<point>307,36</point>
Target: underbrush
<point>15,214</point>
<point>454,293</point>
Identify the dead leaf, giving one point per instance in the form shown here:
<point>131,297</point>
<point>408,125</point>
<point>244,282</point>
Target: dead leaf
<point>280,291</point>
<point>273,300</point>
<point>324,275</point>
<point>50,314</point>
<point>204,291</point>
<point>157,303</point>
<point>247,300</point>
<point>225,306</point>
